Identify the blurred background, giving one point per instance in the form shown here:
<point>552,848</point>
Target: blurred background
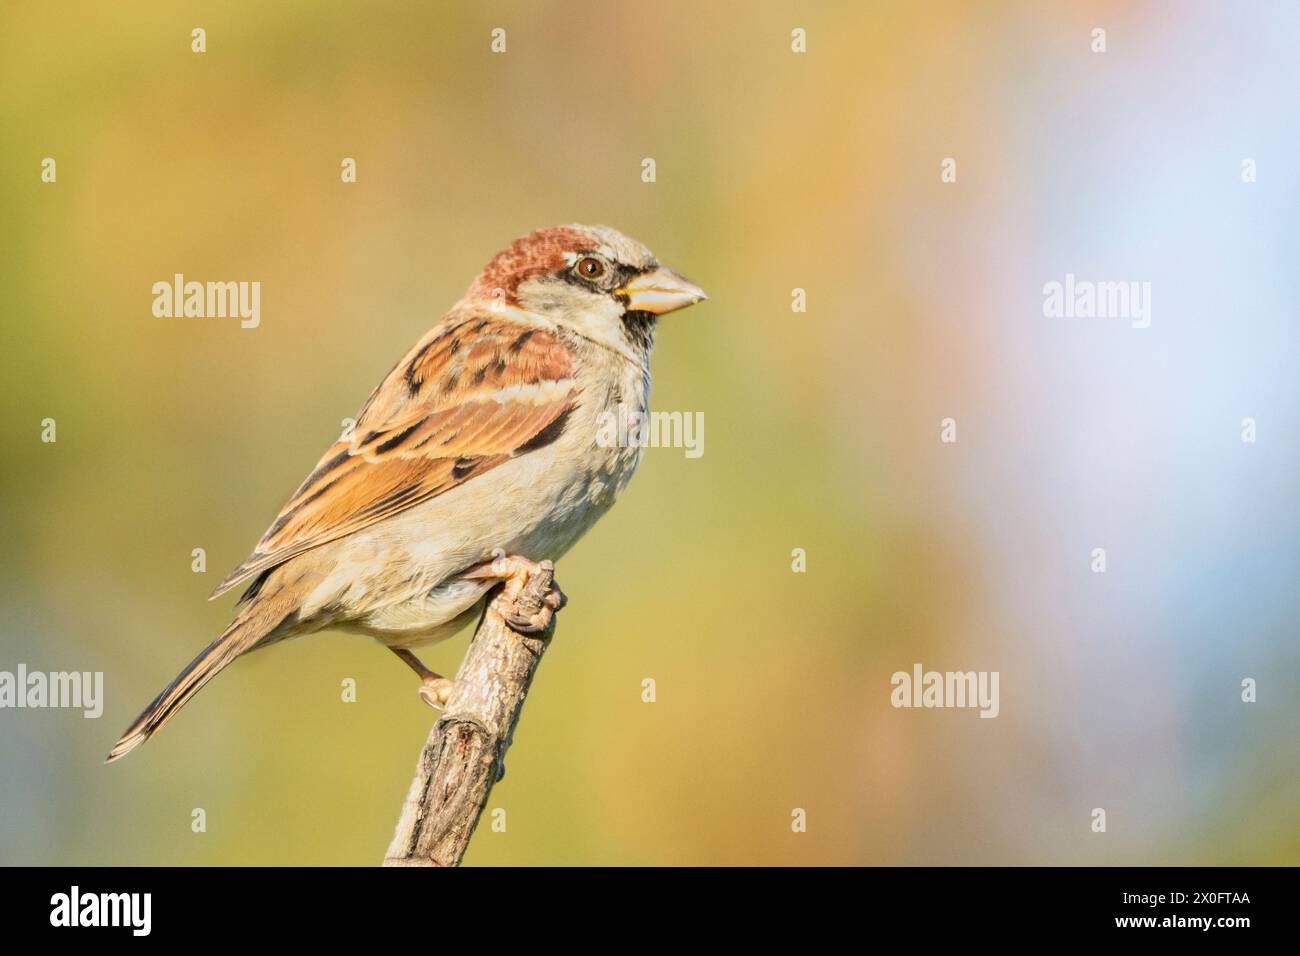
<point>775,171</point>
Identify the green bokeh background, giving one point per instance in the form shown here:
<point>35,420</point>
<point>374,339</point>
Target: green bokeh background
<point>775,171</point>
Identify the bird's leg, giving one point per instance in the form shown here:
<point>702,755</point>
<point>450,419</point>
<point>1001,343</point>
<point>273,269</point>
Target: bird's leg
<point>531,594</point>
<point>435,690</point>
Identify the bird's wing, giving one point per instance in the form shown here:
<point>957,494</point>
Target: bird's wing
<point>476,391</point>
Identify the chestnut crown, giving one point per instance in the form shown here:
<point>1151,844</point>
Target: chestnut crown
<point>593,279</point>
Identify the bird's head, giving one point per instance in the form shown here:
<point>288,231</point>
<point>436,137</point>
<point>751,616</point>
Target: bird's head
<point>593,279</point>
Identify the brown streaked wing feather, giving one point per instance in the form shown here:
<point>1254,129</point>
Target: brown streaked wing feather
<point>438,419</point>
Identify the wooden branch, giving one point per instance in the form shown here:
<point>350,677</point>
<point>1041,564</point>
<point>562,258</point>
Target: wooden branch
<point>464,755</point>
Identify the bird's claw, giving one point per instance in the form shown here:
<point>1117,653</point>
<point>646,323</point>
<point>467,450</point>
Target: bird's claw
<point>531,595</point>
<point>527,619</point>
<point>436,691</point>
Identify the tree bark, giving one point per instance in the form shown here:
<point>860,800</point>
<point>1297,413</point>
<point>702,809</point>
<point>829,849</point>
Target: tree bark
<point>465,753</point>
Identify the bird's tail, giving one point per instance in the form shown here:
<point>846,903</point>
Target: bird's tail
<point>243,635</point>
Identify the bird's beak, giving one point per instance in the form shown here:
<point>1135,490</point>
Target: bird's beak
<point>660,290</point>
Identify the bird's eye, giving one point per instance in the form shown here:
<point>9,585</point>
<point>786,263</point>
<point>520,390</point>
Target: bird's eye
<point>589,267</point>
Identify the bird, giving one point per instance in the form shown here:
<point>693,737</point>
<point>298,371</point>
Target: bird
<point>475,458</point>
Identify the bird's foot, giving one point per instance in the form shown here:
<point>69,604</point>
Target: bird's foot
<point>531,596</point>
<point>435,691</point>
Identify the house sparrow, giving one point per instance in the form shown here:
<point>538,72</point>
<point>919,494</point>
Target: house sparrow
<point>479,443</point>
